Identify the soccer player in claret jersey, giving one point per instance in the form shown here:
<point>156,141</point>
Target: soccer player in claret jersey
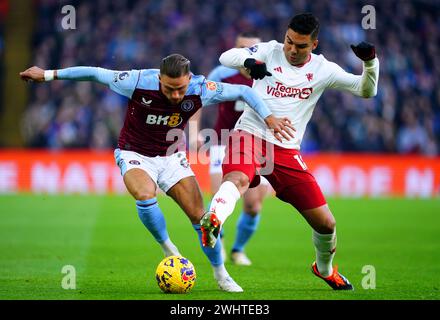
<point>148,152</point>
<point>290,79</point>
<point>228,114</point>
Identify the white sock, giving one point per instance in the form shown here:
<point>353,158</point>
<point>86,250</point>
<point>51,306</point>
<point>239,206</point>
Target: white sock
<point>223,202</point>
<point>169,249</point>
<point>220,272</point>
<point>325,247</point>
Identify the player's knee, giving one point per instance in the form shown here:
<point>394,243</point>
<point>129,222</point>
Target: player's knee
<point>240,180</point>
<point>143,194</point>
<point>328,225</point>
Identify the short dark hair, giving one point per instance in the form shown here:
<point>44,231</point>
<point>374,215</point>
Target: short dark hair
<point>175,66</point>
<point>305,24</point>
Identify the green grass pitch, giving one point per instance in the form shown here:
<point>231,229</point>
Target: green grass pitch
<point>115,257</point>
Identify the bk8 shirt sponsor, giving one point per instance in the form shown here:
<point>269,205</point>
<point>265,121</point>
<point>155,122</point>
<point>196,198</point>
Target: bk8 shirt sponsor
<point>171,121</point>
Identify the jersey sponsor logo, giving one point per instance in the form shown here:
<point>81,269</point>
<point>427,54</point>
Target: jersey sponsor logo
<point>278,69</point>
<point>309,76</point>
<point>187,105</point>
<point>211,85</point>
<point>253,49</point>
<point>134,162</point>
<point>281,91</point>
<point>171,121</point>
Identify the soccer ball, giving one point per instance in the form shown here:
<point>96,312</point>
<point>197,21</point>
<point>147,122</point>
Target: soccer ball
<point>175,274</point>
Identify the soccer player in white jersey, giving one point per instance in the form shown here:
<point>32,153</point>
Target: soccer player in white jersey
<point>160,103</point>
<point>290,79</point>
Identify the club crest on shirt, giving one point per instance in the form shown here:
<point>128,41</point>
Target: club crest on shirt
<point>309,76</point>
<point>187,105</point>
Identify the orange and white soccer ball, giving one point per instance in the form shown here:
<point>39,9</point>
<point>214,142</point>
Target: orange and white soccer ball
<point>176,274</point>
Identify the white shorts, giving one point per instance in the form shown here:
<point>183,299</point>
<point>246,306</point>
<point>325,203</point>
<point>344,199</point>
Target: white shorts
<point>216,156</point>
<point>165,171</point>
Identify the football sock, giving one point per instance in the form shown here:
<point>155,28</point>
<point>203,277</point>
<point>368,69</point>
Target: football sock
<point>169,248</point>
<point>220,272</point>
<point>214,254</point>
<point>246,226</point>
<point>223,202</point>
<point>325,247</point>
<point>152,217</point>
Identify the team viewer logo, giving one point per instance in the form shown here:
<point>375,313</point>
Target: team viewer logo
<point>281,91</point>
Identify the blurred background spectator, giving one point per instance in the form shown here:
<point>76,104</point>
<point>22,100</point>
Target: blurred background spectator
<point>4,6</point>
<point>404,117</point>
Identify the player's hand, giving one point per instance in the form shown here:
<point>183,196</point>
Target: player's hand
<point>33,74</point>
<point>257,69</point>
<point>281,127</point>
<point>364,51</point>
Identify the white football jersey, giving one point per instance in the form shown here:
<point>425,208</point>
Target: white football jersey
<point>293,92</point>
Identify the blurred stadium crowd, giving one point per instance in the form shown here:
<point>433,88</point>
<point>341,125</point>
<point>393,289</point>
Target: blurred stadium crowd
<point>404,117</point>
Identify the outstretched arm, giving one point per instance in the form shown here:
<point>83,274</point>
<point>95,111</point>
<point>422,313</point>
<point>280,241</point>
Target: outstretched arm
<point>122,82</point>
<point>100,75</point>
<point>364,85</point>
